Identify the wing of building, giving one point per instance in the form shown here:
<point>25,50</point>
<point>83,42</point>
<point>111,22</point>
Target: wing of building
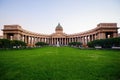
<point>1,37</point>
<point>102,31</point>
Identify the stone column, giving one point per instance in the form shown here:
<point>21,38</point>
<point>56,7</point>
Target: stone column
<point>91,37</point>
<point>16,36</point>
<point>86,39</point>
<point>22,38</point>
<point>80,39</point>
<point>39,39</point>
<point>62,41</point>
<point>52,41</point>
<point>49,41</point>
<point>33,40</point>
<point>76,39</point>
<point>46,40</point>
<point>30,40</point>
<point>36,40</point>
<point>102,35</point>
<point>95,36</point>
<point>4,35</point>
<point>65,41</point>
<point>68,40</point>
<point>25,39</point>
<point>115,34</point>
<point>71,39</point>
<point>55,41</point>
<point>83,40</point>
<point>42,39</point>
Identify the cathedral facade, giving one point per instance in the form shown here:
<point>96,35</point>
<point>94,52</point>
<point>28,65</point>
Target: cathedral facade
<point>102,31</point>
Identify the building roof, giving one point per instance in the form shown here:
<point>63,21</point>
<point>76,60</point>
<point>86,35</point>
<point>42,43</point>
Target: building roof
<point>58,27</point>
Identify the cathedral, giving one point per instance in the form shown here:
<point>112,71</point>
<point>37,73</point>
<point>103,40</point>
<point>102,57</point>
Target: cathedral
<point>102,31</point>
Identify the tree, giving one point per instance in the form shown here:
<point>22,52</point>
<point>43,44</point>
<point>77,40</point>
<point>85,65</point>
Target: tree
<point>41,44</point>
<point>17,43</point>
<point>105,43</point>
<point>4,43</point>
<point>77,44</point>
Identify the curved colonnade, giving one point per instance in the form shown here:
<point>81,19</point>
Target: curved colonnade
<point>102,31</point>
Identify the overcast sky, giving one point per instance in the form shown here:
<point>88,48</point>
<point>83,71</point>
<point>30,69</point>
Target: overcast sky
<point>42,16</point>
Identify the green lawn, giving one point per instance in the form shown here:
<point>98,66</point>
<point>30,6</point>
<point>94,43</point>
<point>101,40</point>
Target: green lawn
<point>59,63</point>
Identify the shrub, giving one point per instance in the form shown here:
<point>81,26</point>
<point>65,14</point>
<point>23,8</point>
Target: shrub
<point>5,43</point>
<point>41,44</point>
<point>17,43</point>
<point>105,43</point>
<point>77,44</point>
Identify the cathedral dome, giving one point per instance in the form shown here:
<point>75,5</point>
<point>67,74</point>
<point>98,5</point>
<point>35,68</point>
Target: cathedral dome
<point>59,27</point>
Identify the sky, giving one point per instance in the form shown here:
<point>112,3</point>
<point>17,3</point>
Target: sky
<point>42,16</point>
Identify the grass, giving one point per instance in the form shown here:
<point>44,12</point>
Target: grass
<point>59,63</point>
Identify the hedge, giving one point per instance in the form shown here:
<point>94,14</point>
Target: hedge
<point>105,43</point>
<point>77,44</point>
<point>5,43</point>
<point>41,44</point>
